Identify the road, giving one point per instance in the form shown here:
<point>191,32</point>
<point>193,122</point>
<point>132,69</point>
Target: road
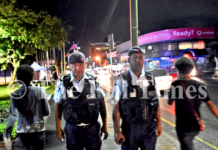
<point>206,140</point>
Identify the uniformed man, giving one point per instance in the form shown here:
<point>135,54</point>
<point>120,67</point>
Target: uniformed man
<point>80,98</point>
<point>136,103</point>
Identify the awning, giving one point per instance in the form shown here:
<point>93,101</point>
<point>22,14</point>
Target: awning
<point>37,67</point>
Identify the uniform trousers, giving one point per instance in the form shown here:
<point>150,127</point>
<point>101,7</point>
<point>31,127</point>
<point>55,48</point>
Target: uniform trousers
<point>79,138</point>
<point>140,135</point>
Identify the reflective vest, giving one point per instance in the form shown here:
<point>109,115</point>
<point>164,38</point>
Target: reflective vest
<point>81,107</point>
<point>139,105</point>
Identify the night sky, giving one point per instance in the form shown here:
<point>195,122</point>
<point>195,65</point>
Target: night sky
<point>104,17</point>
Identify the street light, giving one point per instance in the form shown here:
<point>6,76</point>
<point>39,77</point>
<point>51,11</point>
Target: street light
<point>98,59</point>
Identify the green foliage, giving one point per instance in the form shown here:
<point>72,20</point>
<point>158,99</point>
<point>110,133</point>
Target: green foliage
<point>22,31</point>
<point>3,90</point>
<point>14,133</point>
<point>50,89</point>
<point>3,127</point>
<point>4,104</point>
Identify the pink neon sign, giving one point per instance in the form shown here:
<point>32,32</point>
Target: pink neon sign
<point>175,34</point>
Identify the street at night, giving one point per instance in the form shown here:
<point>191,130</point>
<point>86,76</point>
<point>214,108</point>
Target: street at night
<point>206,140</point>
<point>133,66</point>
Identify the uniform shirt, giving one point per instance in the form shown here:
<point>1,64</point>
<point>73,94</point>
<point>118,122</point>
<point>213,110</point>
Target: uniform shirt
<point>60,92</point>
<point>34,123</point>
<point>121,84</point>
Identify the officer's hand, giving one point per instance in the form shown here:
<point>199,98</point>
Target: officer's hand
<point>159,129</point>
<point>105,131</point>
<point>118,137</point>
<point>60,135</point>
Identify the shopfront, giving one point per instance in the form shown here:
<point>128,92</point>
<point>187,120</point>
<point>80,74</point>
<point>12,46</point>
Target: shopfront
<point>162,48</point>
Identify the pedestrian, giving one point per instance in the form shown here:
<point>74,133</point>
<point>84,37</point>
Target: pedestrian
<point>188,95</point>
<point>30,105</point>
<point>136,103</point>
<point>55,77</point>
<point>79,96</point>
<point>68,70</point>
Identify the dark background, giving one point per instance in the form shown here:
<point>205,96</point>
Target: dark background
<point>104,17</point>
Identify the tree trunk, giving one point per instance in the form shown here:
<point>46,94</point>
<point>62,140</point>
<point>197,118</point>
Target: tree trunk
<point>48,75</point>
<point>55,59</point>
<point>61,62</point>
<point>64,59</point>
<point>37,57</point>
<point>16,64</point>
<point>5,76</point>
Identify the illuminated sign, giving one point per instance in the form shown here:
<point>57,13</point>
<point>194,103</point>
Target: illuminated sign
<point>176,34</point>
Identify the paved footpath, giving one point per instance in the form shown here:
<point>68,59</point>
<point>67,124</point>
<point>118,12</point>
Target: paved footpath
<point>165,142</point>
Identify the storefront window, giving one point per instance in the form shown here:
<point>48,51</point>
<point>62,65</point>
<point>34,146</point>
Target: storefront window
<point>185,45</point>
<point>172,46</point>
<point>168,46</point>
<point>193,45</point>
<point>156,48</point>
<point>199,45</point>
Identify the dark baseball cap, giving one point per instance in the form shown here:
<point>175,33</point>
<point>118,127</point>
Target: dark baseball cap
<point>76,57</point>
<point>135,49</point>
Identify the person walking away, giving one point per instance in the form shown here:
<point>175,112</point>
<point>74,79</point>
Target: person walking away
<point>55,77</point>
<point>188,95</point>
<point>30,105</point>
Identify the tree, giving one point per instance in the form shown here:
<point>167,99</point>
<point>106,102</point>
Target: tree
<point>68,26</point>
<point>22,31</point>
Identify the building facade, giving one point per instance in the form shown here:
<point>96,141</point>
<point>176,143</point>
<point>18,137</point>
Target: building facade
<point>162,48</point>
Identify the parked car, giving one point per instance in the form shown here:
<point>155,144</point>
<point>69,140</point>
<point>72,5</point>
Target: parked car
<point>117,72</point>
<point>163,80</point>
<point>89,71</point>
<point>173,73</point>
<point>103,71</point>
<point>204,72</point>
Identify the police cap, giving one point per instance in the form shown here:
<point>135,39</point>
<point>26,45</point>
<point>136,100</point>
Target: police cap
<point>135,49</point>
<point>76,57</point>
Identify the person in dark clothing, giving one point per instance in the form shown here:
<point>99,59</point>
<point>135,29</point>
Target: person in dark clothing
<point>30,105</point>
<point>188,95</point>
<point>55,77</point>
<point>81,99</point>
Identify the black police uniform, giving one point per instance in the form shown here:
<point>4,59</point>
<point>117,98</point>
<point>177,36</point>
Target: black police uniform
<point>82,109</point>
<point>139,113</point>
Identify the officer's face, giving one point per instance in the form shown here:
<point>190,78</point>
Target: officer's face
<point>136,61</point>
<point>78,69</point>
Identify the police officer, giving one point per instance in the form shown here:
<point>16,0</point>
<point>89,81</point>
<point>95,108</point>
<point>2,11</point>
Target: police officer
<point>80,98</point>
<point>136,103</point>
